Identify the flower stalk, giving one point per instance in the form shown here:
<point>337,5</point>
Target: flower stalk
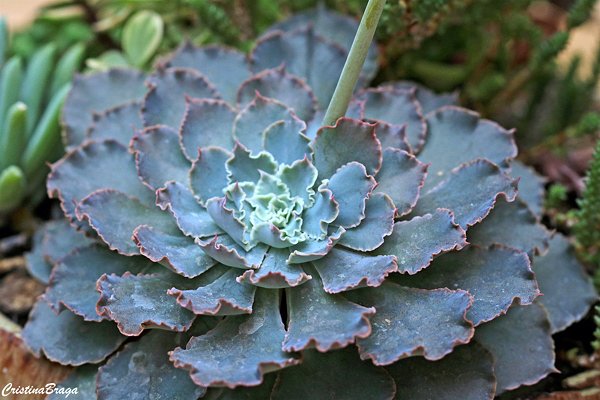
<point>354,63</point>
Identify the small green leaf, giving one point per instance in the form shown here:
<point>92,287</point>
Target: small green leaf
<point>13,139</point>
<point>107,60</point>
<point>46,138</point>
<point>37,78</point>
<point>12,188</point>
<point>10,85</point>
<point>4,39</point>
<point>66,66</point>
<point>142,35</point>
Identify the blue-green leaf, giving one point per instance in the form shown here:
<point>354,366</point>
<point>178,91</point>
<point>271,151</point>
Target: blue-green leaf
<point>112,167</point>
<point>286,141</point>
<point>360,145</point>
<point>279,85</point>
<point>159,158</point>
<point>207,123</point>
<point>138,302</point>
<point>400,109</point>
<point>226,251</point>
<point>257,336</point>
<point>470,192</point>
<point>495,276</point>
<point>208,175</point>
<point>275,272</point>
<point>223,296</point>
<point>337,374</point>
<point>119,123</point>
<point>468,136</point>
<point>73,281</point>
<point>244,167</point>
<point>95,93</point>
<point>305,54</point>
<point>417,241</point>
<point>321,320</point>
<point>191,217</point>
<point>401,177</point>
<point>412,322</point>
<point>342,269</point>
<point>177,252</point>
<point>66,338</point>
<point>116,229</point>
<point>377,224</point>
<point>252,122</point>
<point>351,185</point>
<point>165,103</point>
<point>211,61</point>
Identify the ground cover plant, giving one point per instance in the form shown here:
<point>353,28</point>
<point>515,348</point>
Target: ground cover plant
<point>243,250</point>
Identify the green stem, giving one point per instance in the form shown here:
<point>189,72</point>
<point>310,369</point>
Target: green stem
<point>354,63</point>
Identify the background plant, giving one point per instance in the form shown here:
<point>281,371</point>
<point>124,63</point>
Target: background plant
<point>31,99</point>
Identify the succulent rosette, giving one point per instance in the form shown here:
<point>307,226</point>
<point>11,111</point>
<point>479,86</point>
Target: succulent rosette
<point>254,253</point>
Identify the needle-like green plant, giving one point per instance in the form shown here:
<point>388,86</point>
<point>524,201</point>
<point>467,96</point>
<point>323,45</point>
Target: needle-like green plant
<point>31,98</point>
<point>242,249</point>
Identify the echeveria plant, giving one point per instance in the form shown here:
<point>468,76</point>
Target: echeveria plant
<point>246,251</point>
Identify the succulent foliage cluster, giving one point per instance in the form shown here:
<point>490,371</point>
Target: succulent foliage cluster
<point>31,98</point>
<point>587,229</point>
<point>387,256</point>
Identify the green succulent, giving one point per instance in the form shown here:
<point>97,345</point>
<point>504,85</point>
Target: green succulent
<point>31,99</point>
<point>249,252</point>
